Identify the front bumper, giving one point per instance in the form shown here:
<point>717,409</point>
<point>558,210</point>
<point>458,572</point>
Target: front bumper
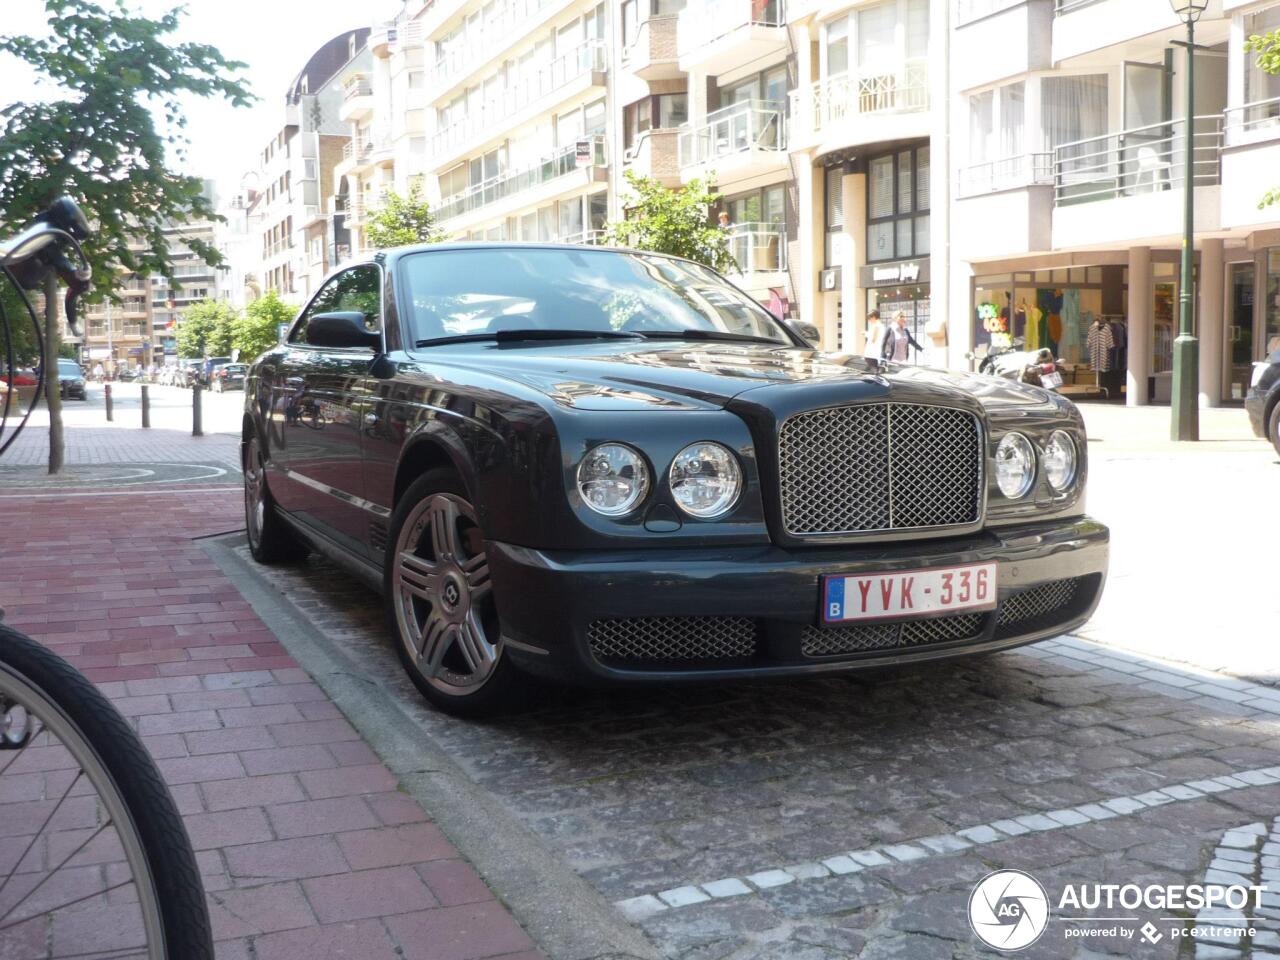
<point>553,604</point>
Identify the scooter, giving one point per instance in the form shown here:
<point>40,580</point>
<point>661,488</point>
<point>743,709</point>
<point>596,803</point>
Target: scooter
<point>1036,367</point>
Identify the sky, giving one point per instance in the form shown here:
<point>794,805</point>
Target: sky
<point>274,37</point>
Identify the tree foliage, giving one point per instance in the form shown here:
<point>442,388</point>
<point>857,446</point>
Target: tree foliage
<point>205,329</point>
<point>257,329</point>
<point>1267,47</point>
<point>672,221</point>
<point>402,220</point>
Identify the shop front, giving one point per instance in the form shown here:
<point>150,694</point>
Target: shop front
<point>903,285</point>
<point>1252,318</point>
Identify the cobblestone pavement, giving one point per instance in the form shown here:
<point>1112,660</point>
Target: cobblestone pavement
<point>307,846</point>
<point>852,817</point>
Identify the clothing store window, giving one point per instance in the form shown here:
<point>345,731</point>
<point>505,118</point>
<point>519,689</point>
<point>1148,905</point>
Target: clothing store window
<point>898,205</point>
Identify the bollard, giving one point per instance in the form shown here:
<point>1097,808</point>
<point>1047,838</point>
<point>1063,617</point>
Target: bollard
<point>146,408</point>
<point>196,430</point>
<point>106,398</point>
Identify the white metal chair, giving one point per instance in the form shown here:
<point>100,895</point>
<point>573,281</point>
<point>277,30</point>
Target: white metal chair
<point>1160,172</point>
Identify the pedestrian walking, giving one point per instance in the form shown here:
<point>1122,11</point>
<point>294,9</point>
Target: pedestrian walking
<point>898,340</point>
<point>874,337</point>
<point>98,373</point>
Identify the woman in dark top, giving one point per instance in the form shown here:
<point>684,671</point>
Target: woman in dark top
<point>898,340</point>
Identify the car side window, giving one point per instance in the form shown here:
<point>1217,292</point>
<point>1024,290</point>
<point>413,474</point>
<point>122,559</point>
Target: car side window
<point>357,289</point>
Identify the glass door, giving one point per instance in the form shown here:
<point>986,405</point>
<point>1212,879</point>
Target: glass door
<point>1239,332</point>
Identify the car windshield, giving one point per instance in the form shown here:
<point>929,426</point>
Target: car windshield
<point>474,292</point>
<point>69,367</point>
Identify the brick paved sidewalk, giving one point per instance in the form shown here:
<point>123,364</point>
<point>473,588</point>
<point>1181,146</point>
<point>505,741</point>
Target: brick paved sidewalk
<point>307,847</point>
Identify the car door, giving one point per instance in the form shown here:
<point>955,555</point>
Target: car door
<point>317,410</point>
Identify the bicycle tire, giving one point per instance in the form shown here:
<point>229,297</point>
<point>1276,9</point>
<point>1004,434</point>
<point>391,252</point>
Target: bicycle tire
<point>156,823</point>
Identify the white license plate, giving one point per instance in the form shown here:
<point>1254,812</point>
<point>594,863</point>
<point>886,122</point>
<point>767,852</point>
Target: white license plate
<point>1051,381</point>
<point>905,593</point>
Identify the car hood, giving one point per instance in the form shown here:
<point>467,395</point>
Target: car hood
<point>621,376</point>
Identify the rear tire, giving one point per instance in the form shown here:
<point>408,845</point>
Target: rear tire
<point>270,539</point>
<point>1273,427</point>
<point>439,603</point>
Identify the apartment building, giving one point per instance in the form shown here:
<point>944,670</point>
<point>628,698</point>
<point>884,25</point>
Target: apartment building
<point>1071,175</point>
<point>120,335</point>
<point>292,204</point>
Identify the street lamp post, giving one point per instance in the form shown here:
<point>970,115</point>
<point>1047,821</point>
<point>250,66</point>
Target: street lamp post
<point>1186,349</point>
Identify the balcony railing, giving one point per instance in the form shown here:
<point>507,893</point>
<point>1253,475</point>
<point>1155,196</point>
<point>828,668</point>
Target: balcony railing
<point>507,184</point>
<point>1008,173</point>
<point>494,34</point>
<point>705,21</point>
<point>586,58</point>
<point>845,97</point>
<point>741,128</point>
<point>357,149</point>
<point>1142,160</point>
<point>357,85</point>
<point>759,247</point>
<point>588,237</point>
<point>338,204</point>
<point>1246,122</point>
<point>276,248</point>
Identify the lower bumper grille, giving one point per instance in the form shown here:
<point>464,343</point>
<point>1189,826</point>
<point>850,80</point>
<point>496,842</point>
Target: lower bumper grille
<point>1046,605</point>
<point>839,641</point>
<point>649,639</point>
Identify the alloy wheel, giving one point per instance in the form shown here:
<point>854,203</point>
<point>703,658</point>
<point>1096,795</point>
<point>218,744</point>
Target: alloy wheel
<point>443,599</point>
<point>255,506</point>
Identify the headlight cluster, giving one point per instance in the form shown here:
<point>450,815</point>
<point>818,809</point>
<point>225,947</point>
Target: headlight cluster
<point>1016,464</point>
<point>705,479</point>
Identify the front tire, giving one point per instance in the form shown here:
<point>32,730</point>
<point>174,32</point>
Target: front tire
<point>1273,427</point>
<point>270,540</point>
<point>439,602</point>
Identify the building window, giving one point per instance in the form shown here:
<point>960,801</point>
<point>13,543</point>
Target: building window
<point>898,205</point>
<point>1071,109</point>
<point>834,215</point>
<point>670,110</point>
<point>875,40</point>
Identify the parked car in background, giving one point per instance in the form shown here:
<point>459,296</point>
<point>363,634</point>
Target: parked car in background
<point>21,377</point>
<point>1262,402</point>
<point>609,466</point>
<point>229,377</point>
<point>127,373</point>
<point>71,380</point>
<point>209,367</point>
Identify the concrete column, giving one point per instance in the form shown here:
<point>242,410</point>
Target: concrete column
<point>809,240</point>
<point>960,318</point>
<point>1139,325</point>
<point>942,176</point>
<point>852,294</point>
<point>1210,328</point>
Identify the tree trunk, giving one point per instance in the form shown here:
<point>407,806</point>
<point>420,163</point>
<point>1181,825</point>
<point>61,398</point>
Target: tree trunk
<point>52,392</point>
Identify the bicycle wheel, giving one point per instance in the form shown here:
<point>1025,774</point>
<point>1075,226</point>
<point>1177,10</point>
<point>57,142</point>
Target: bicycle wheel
<point>94,859</point>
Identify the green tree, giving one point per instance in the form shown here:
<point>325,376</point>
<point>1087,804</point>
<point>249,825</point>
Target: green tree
<point>204,329</point>
<point>1267,47</point>
<point>116,90</point>
<point>402,220</point>
<point>257,329</point>
<point>672,221</point>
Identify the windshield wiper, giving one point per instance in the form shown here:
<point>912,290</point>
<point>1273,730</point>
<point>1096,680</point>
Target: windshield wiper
<point>696,334</point>
<point>533,333</point>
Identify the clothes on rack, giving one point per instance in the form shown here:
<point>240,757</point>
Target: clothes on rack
<point>1070,329</point>
<point>1100,341</point>
<point>1072,338</point>
<point>1035,318</point>
<point>1120,347</point>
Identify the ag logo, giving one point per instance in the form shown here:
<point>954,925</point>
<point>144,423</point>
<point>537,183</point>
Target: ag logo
<point>1008,910</point>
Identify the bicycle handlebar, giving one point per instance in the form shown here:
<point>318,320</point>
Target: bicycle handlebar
<point>40,247</point>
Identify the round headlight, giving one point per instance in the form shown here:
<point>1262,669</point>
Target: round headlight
<point>705,479</point>
<point>1060,461</point>
<point>1015,466</point>
<point>612,479</point>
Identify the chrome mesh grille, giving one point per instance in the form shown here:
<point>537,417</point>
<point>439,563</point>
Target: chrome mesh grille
<point>860,638</point>
<point>879,466</point>
<point>1039,601</point>
<point>672,638</point>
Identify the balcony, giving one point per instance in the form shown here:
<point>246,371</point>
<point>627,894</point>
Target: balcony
<point>719,35</point>
<point>357,154</point>
<point>508,25</point>
<point>567,75</point>
<point>873,106</point>
<point>1086,26</point>
<point>760,250</point>
<point>511,190</point>
<point>277,248</point>
<point>1127,185</point>
<point>1250,159</point>
<point>738,141</point>
<point>1004,207</point>
<point>654,54</point>
<point>591,238</point>
<point>357,98</point>
<point>656,155</point>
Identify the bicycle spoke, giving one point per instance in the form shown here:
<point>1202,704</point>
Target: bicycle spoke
<point>69,903</point>
<point>43,880</point>
<point>30,843</point>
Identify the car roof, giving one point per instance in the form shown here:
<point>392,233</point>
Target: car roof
<point>392,254</point>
